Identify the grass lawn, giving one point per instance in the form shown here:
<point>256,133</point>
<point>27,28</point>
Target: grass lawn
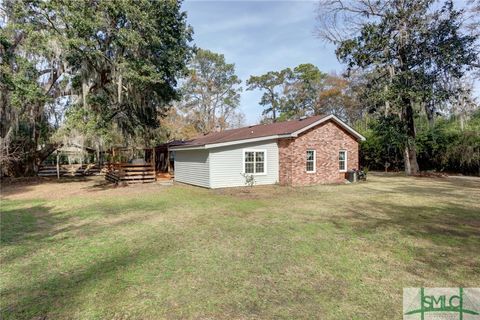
<point>82,250</point>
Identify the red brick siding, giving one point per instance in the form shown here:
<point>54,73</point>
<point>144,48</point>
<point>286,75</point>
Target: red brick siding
<point>327,140</point>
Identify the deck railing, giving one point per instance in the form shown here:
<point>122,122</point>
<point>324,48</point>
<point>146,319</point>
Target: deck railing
<point>72,170</point>
<point>130,173</point>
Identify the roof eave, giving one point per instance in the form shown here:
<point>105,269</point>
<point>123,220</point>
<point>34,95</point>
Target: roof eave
<point>272,137</point>
<point>231,143</point>
<point>182,148</point>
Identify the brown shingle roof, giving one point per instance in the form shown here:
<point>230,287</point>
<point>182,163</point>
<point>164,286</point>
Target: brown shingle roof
<point>251,132</point>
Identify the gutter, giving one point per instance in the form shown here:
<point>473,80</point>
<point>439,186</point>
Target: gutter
<point>231,143</point>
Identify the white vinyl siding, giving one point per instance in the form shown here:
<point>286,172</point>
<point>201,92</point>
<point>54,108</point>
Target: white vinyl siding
<point>227,164</point>
<point>192,167</point>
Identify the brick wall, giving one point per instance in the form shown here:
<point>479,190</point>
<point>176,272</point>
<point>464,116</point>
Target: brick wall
<point>327,139</point>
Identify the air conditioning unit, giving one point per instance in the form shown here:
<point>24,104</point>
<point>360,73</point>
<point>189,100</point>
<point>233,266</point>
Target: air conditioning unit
<point>351,175</point>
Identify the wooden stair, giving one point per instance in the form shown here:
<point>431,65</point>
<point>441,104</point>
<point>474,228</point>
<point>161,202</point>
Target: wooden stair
<point>131,173</point>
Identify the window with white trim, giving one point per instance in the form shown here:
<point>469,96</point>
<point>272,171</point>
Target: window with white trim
<point>254,162</point>
<point>342,160</point>
<point>311,158</point>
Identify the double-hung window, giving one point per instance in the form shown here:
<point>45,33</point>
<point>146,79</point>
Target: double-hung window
<point>342,160</point>
<point>254,162</point>
<point>311,158</point>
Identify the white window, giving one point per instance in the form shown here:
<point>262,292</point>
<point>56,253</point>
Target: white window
<point>342,160</point>
<point>311,159</point>
<point>254,161</point>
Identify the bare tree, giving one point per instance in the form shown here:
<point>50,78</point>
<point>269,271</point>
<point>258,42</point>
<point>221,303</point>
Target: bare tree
<point>339,20</point>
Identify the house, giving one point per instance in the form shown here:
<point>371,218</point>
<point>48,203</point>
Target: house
<point>307,151</point>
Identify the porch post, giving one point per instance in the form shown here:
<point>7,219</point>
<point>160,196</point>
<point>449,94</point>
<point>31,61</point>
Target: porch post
<point>58,167</point>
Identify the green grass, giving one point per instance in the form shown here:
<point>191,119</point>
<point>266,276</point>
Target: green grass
<point>150,252</point>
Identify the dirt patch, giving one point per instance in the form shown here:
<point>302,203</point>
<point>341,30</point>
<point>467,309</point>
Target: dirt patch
<point>255,192</point>
<point>53,189</point>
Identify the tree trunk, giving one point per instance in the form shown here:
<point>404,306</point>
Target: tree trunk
<point>274,105</point>
<point>410,153</point>
<point>28,166</point>
<point>430,112</point>
<point>410,159</point>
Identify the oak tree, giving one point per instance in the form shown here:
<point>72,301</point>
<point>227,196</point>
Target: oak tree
<point>411,47</point>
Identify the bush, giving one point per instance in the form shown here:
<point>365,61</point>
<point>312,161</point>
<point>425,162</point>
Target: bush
<point>441,147</point>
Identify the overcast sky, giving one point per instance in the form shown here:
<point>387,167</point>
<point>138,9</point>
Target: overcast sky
<point>260,36</point>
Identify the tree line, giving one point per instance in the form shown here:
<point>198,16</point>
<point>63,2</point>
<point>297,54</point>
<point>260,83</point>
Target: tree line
<point>416,54</point>
<point>101,65</point>
<point>127,73</point>
<point>410,70</point>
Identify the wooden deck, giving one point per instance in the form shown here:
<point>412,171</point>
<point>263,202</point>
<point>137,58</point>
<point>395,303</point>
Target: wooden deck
<point>131,173</point>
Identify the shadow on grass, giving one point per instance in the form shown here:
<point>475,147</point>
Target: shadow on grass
<point>26,229</point>
<point>439,237</point>
<point>443,187</point>
<point>26,223</point>
<point>449,181</point>
<point>103,185</point>
<point>45,298</point>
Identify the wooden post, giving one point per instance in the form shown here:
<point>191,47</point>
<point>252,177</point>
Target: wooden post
<point>81,158</point>
<point>168,160</point>
<point>58,167</point>
<point>97,149</point>
<point>154,151</point>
